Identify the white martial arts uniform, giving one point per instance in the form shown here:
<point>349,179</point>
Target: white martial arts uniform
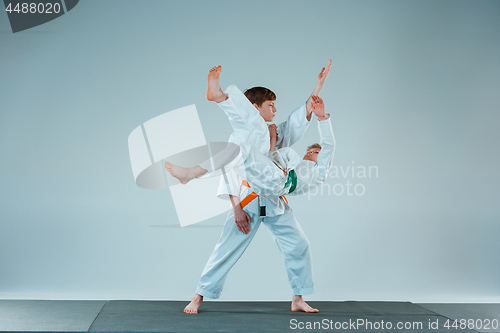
<point>311,174</point>
<point>266,177</point>
<point>272,210</point>
<point>263,169</point>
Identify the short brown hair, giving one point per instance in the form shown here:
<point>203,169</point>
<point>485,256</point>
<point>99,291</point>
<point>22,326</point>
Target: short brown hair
<point>314,145</point>
<point>259,95</point>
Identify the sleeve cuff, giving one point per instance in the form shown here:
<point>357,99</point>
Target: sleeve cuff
<point>327,117</point>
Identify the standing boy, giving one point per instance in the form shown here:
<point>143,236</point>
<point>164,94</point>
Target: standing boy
<point>248,212</point>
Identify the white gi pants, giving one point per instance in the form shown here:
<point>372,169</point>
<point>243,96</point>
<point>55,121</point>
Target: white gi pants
<point>291,241</point>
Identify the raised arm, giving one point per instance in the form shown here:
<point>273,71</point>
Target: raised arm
<point>294,127</point>
<point>322,76</point>
<point>327,140</point>
<point>291,130</point>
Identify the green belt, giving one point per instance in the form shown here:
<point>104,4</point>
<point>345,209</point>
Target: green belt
<point>292,179</point>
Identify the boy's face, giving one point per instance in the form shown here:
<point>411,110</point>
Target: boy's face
<point>267,110</point>
<point>312,154</point>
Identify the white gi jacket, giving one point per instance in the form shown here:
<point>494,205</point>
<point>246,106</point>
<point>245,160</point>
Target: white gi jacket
<point>289,132</point>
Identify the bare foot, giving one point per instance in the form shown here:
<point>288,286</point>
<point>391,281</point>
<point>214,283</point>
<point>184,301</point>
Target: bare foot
<point>214,92</point>
<point>298,304</point>
<point>192,307</point>
<point>184,174</point>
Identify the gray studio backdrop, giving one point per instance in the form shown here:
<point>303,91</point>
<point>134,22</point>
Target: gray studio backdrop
<point>413,93</point>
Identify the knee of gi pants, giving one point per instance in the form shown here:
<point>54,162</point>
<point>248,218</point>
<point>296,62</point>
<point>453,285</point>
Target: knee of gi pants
<point>300,248</point>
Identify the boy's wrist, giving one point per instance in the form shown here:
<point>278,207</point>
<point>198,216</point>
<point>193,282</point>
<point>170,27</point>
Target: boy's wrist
<point>308,115</point>
<point>327,115</point>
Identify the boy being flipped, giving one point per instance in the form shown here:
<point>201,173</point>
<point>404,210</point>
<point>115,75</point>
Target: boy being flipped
<point>250,210</point>
<point>267,170</point>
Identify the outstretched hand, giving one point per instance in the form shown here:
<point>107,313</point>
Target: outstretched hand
<point>323,75</point>
<point>318,107</point>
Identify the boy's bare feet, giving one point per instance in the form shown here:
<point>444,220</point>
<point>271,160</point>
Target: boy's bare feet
<point>214,92</point>
<point>298,304</point>
<point>184,174</point>
<point>192,307</point>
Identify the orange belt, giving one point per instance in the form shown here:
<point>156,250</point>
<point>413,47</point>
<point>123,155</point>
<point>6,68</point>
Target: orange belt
<point>252,196</point>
